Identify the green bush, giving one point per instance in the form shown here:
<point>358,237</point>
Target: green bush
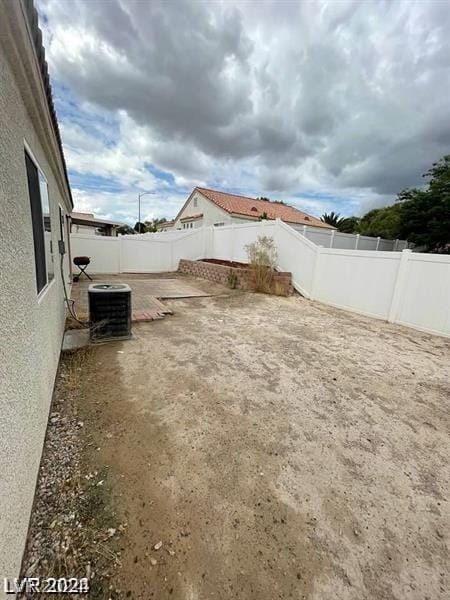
<point>232,280</point>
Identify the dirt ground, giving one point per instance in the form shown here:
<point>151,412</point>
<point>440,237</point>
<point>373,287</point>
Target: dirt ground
<point>278,448</point>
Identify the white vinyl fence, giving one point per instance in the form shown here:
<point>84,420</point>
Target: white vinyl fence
<point>402,287</point>
<point>146,253</point>
<point>330,238</point>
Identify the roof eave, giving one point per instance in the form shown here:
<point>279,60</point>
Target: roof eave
<point>95,222</point>
<point>31,20</point>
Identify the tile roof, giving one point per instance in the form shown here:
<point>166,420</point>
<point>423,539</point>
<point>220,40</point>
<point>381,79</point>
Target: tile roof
<point>89,219</point>
<point>192,217</point>
<point>165,224</point>
<point>250,207</point>
<point>31,15</point>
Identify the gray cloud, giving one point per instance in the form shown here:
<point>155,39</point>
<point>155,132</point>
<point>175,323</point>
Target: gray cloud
<point>342,96</point>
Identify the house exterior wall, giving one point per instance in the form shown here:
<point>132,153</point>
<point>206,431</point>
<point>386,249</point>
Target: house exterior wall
<point>84,229</point>
<point>93,230</point>
<point>242,220</point>
<point>168,226</point>
<point>31,328</point>
<point>211,213</point>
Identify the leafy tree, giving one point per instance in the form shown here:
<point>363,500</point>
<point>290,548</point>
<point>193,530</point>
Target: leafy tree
<point>152,226</point>
<point>384,222</point>
<point>425,214</point>
<point>349,225</point>
<point>140,227</point>
<point>125,230</point>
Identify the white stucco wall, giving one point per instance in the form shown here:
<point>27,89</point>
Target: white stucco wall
<point>211,213</point>
<point>30,329</point>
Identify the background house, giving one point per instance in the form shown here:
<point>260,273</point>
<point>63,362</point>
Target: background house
<point>35,203</point>
<point>212,207</point>
<point>166,226</point>
<point>87,223</point>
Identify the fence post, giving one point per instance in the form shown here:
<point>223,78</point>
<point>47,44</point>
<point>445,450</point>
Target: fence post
<point>398,286</point>
<point>232,242</point>
<point>171,242</point>
<point>277,229</point>
<point>275,239</point>
<point>304,230</point>
<point>312,295</point>
<point>205,241</point>
<point>357,241</point>
<point>333,231</point>
<point>395,246</point>
<point>120,253</point>
<point>378,243</point>
<point>212,231</point>
<point>262,224</point>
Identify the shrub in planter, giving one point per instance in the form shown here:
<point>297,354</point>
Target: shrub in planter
<point>232,279</point>
<point>262,257</point>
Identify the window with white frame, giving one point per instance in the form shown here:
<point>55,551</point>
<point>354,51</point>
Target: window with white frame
<point>221,224</point>
<point>41,223</point>
<point>195,201</point>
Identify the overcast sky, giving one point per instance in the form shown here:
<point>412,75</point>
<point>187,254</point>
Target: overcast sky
<point>326,105</point>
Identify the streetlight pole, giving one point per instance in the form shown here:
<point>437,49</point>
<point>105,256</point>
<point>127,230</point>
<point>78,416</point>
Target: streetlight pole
<point>139,208</point>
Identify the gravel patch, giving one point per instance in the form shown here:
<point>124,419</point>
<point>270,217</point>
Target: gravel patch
<point>73,529</point>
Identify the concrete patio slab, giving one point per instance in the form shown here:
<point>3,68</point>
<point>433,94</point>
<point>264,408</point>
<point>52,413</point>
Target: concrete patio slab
<point>168,288</point>
<point>145,293</point>
<point>74,339</point>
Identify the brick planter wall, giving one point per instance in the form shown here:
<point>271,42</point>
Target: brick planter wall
<point>220,274</point>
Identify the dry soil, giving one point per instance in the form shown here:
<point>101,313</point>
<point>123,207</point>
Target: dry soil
<point>278,448</point>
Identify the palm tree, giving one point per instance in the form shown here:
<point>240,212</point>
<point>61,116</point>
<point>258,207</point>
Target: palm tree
<point>344,224</point>
<point>333,219</point>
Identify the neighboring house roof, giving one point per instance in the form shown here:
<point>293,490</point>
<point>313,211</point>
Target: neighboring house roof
<point>250,207</point>
<point>36,35</point>
<point>165,224</point>
<point>192,217</point>
<point>81,215</point>
<point>88,220</point>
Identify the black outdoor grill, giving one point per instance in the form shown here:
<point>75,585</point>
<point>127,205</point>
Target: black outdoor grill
<point>82,263</point>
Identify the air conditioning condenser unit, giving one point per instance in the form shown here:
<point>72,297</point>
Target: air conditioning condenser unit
<point>109,311</point>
